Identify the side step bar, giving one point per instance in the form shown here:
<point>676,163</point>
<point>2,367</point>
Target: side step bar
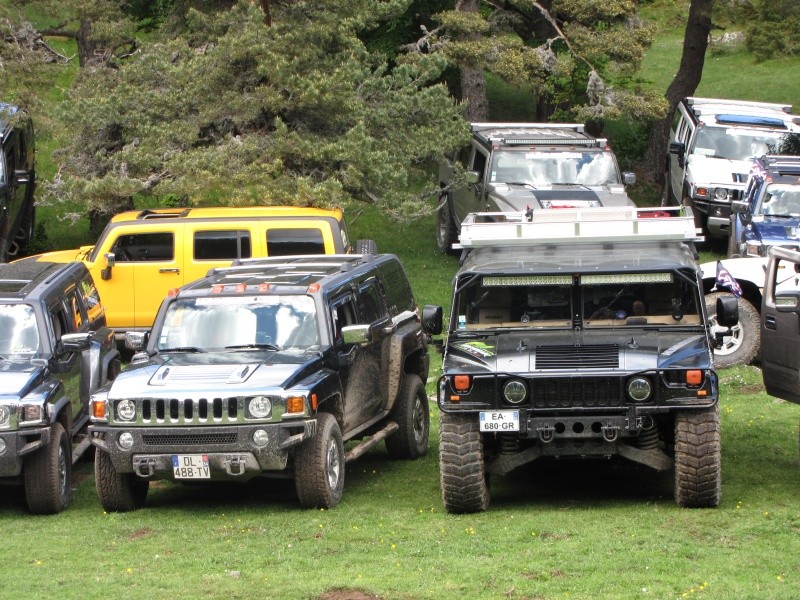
<point>382,434</point>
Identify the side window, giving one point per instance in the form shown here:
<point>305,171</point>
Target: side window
<point>343,313</point>
<point>58,316</point>
<point>370,302</point>
<point>676,121</point>
<point>221,245</point>
<point>479,163</point>
<point>91,299</point>
<point>288,242</point>
<point>3,168</point>
<point>463,156</point>
<point>75,313</point>
<point>144,247</point>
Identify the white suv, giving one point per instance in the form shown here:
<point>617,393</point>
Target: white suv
<point>710,146</point>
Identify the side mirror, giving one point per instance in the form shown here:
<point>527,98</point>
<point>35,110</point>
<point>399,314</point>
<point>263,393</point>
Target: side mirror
<point>472,177</point>
<point>678,148</point>
<point>356,334</point>
<point>727,311</point>
<point>739,206</point>
<point>76,342</point>
<point>22,177</point>
<point>628,178</point>
<point>111,260</point>
<point>788,301</point>
<point>136,340</point>
<point>432,319</point>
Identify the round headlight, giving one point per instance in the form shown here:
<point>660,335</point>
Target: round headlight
<point>125,440</point>
<point>126,410</point>
<point>260,437</point>
<point>5,416</point>
<point>514,391</point>
<point>259,407</point>
<point>2,446</point>
<point>720,193</point>
<point>639,389</point>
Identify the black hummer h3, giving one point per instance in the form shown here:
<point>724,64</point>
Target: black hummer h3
<point>54,352</point>
<point>579,336</point>
<point>266,368</point>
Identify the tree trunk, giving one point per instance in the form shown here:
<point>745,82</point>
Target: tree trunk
<point>86,45</point>
<point>473,80</point>
<point>690,71</point>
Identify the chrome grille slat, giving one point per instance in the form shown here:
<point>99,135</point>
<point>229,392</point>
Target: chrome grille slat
<point>189,411</point>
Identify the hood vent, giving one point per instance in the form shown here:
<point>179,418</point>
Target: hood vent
<point>604,356</point>
<point>203,374</point>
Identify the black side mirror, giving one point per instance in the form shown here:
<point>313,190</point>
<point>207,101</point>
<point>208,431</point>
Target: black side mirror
<point>678,148</point>
<point>21,175</point>
<point>727,311</point>
<point>111,260</point>
<point>432,319</point>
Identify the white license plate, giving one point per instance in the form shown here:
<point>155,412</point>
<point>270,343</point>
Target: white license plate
<point>190,466</point>
<point>499,420</point>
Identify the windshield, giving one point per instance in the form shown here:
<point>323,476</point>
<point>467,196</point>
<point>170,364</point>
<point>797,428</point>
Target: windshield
<point>780,200</point>
<point>219,323</point>
<point>546,168</point>
<point>18,331</point>
<point>586,301</point>
<point>737,143</point>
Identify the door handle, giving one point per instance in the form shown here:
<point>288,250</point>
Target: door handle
<point>770,322</point>
<point>170,270</point>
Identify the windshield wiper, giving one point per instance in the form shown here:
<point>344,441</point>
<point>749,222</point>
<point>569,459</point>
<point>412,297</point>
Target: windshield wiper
<point>253,347</point>
<point>181,349</point>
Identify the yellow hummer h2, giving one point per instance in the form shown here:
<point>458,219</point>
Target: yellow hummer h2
<point>142,254</point>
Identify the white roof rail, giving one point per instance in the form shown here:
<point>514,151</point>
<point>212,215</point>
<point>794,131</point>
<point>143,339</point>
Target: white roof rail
<point>578,226</point>
<point>745,104</point>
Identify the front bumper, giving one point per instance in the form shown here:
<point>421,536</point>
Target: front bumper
<point>717,216</point>
<point>18,444</point>
<point>231,451</point>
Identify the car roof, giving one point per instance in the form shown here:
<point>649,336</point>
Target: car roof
<point>580,258</point>
<point>29,278</point>
<point>226,212</point>
<point>726,113</point>
<point>525,135</point>
<point>287,274</point>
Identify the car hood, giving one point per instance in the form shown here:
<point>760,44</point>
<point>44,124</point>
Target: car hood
<point>579,352</point>
<point>215,374</point>
<point>19,377</point>
<point>517,198</point>
<point>721,171</point>
<point>775,230</point>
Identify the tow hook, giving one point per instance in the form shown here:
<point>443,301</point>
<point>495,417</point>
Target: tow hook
<point>634,424</point>
<point>234,465</point>
<point>610,433</point>
<point>144,467</point>
<point>546,433</point>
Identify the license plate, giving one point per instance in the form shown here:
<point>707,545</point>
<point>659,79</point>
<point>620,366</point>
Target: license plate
<point>499,420</point>
<point>190,466</point>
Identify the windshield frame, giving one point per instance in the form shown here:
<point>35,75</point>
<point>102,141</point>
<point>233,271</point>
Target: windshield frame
<point>20,332</point>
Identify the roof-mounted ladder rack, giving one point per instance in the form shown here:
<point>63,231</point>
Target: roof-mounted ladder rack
<point>578,226</point>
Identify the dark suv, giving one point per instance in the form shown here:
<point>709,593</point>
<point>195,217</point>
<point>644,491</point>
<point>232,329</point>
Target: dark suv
<point>580,334</point>
<point>54,352</point>
<point>527,166</point>
<point>266,368</point>
<point>17,180</point>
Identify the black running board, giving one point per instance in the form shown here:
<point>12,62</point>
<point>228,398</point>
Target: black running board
<point>380,435</point>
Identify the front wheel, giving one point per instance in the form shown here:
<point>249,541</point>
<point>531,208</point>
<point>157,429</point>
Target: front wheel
<point>464,481</point>
<point>742,345</point>
<point>48,474</point>
<point>319,466</point>
<point>412,415</point>
<point>118,492</point>
<point>698,464</point>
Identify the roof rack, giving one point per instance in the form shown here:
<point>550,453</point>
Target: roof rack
<point>578,226</point>
<point>714,103</point>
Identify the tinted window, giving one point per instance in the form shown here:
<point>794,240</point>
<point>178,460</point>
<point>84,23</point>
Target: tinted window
<point>91,298</point>
<point>398,290</point>
<point>143,247</point>
<point>370,302</point>
<point>221,245</point>
<point>286,242</point>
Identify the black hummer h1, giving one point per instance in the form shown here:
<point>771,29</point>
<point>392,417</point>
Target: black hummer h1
<point>17,180</point>
<point>581,334</point>
<point>54,352</point>
<point>266,368</point>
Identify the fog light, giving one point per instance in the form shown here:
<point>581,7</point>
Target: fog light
<point>125,440</point>
<point>639,389</point>
<point>260,437</point>
<point>126,410</point>
<point>260,407</point>
<point>2,446</point>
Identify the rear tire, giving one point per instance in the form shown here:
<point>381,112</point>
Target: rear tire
<point>698,464</point>
<point>446,234</point>
<point>412,415</point>
<point>118,492</point>
<point>48,474</point>
<point>319,466</point>
<point>464,482</point>
<point>742,346</point>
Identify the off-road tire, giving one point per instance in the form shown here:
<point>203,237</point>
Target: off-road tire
<point>464,482</point>
<point>698,464</point>
<point>446,234</point>
<point>319,466</point>
<point>743,345</point>
<point>412,415</point>
<point>118,492</point>
<point>48,474</point>
<point>366,247</point>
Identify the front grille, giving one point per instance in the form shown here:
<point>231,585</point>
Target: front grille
<point>201,411</point>
<point>189,439</point>
<point>601,356</point>
<point>577,392</point>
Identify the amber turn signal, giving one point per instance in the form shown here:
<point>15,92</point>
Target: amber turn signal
<point>694,377</point>
<point>99,410</point>
<point>461,383</point>
<point>295,404</point>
